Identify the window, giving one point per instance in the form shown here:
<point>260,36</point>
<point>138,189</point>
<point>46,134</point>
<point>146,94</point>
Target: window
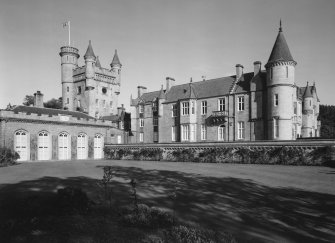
<point>174,110</point>
<point>240,131</point>
<point>141,122</point>
<point>222,104</point>
<point>173,134</point>
<point>111,104</point>
<point>155,136</point>
<point>67,89</point>
<point>271,71</point>
<point>185,108</point>
<point>221,133</point>
<point>286,71</point>
<point>203,132</point>
<point>104,90</point>
<point>141,136</point>
<point>78,103</point>
<point>155,121</point>
<point>295,107</point>
<point>154,106</point>
<point>275,100</point>
<point>96,102</point>
<point>79,89</point>
<point>240,103</point>
<point>275,128</point>
<point>185,135</point>
<point>203,107</point>
<point>104,103</point>
<point>193,132</point>
<point>67,101</point>
<point>141,109</point>
<point>193,107</point>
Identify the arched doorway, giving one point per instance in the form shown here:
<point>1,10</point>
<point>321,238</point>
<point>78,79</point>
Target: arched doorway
<point>221,132</point>
<point>64,146</point>
<point>82,146</point>
<point>98,146</point>
<point>43,146</point>
<point>21,144</point>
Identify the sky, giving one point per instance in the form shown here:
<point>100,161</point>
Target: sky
<point>182,39</point>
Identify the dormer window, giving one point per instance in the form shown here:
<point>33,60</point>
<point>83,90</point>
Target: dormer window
<point>104,90</point>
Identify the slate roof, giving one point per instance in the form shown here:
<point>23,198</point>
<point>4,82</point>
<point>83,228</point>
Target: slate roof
<point>97,63</point>
<point>113,118</point>
<point>89,51</point>
<point>116,60</point>
<point>50,112</point>
<point>308,91</point>
<point>280,50</point>
<point>203,89</point>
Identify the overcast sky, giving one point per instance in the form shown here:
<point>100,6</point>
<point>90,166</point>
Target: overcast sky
<point>159,38</point>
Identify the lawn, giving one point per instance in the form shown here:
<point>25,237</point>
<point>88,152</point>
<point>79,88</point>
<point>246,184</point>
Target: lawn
<point>255,203</point>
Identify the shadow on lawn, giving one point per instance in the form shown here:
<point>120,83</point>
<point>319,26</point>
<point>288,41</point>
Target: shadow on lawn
<point>252,212</point>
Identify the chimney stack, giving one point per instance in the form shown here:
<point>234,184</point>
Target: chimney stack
<point>141,90</point>
<point>239,71</point>
<point>169,83</point>
<point>38,99</point>
<point>257,67</point>
<point>119,110</point>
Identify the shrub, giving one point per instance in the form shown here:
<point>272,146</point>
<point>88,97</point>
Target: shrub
<point>8,156</point>
<point>185,155</point>
<point>186,234</point>
<point>73,200</point>
<point>146,217</point>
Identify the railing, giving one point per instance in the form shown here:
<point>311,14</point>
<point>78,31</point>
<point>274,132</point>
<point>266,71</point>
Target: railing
<point>69,49</point>
<point>220,113</point>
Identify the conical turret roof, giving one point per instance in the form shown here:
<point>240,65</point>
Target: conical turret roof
<point>97,63</point>
<point>308,91</point>
<point>280,50</point>
<point>116,60</point>
<point>89,51</point>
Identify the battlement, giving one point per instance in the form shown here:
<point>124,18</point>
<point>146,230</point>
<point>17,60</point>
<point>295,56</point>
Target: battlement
<point>69,49</point>
<point>51,118</point>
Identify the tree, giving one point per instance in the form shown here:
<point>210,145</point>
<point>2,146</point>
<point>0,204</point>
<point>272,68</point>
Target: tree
<point>327,117</point>
<point>54,103</point>
<point>28,100</point>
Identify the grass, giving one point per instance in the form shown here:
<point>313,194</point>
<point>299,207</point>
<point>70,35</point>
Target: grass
<point>256,203</point>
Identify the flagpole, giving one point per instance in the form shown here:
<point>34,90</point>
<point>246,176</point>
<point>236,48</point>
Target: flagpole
<point>69,34</point>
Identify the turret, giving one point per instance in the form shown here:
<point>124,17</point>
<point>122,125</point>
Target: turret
<point>69,61</point>
<point>116,64</point>
<point>280,83</point>
<point>90,62</point>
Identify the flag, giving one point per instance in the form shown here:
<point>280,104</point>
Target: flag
<point>67,23</point>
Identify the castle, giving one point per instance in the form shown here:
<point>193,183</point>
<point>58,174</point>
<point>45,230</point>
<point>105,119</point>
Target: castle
<point>259,105</point>
<point>90,116</point>
<point>90,88</point>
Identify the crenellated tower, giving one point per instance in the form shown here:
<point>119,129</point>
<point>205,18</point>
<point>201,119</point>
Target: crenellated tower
<point>281,90</point>
<point>69,61</point>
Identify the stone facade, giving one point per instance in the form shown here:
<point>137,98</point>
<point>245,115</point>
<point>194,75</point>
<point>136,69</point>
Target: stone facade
<point>259,105</point>
<point>90,88</point>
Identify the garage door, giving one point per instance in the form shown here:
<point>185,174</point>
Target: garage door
<point>64,149</point>
<point>21,145</point>
<point>82,146</point>
<point>44,146</point>
<point>98,146</point>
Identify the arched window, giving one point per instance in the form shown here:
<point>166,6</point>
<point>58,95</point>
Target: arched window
<point>64,146</point>
<point>43,146</point>
<point>21,144</point>
<point>221,132</point>
<point>82,146</point>
<point>98,146</point>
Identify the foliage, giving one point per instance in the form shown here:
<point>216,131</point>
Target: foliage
<point>146,217</point>
<point>185,155</point>
<point>188,234</point>
<point>54,103</point>
<point>73,200</point>
<point>327,117</point>
<point>8,156</point>
<point>28,100</point>
<point>106,184</point>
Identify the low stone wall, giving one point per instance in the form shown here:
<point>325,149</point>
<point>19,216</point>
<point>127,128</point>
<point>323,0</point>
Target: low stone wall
<point>301,152</point>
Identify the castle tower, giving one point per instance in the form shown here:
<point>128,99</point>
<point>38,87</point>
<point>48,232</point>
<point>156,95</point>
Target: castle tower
<point>90,83</point>
<point>280,80</point>
<point>116,71</point>
<point>308,126</point>
<point>69,61</point>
